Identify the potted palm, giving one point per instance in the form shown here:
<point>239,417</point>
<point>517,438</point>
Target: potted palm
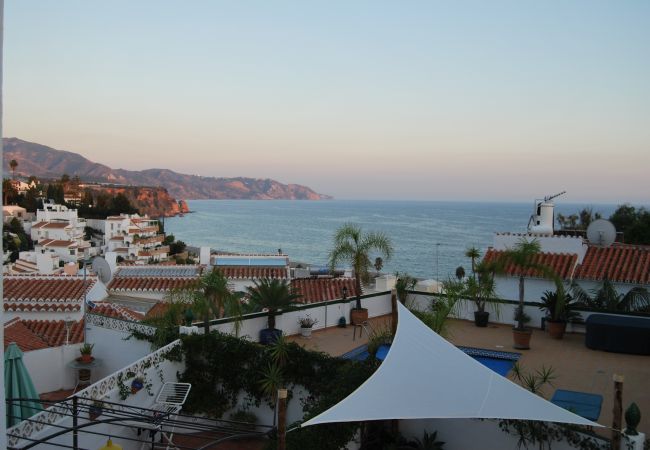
<point>559,310</point>
<point>352,246</point>
<point>271,295</point>
<point>306,324</point>
<point>520,332</point>
<point>480,289</point>
<point>404,283</point>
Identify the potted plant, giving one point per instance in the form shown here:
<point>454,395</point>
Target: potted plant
<point>480,289</point>
<point>520,332</point>
<point>95,410</point>
<point>353,246</point>
<point>271,295</point>
<point>404,283</point>
<point>86,353</point>
<point>559,310</point>
<point>137,384</point>
<point>306,324</point>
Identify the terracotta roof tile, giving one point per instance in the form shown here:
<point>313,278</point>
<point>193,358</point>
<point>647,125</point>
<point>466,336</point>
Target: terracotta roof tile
<point>253,272</point>
<point>315,290</point>
<point>155,284</point>
<point>45,289</point>
<point>39,334</point>
<point>116,311</point>
<point>157,310</point>
<point>618,262</point>
<point>16,331</point>
<point>562,263</point>
<point>42,307</point>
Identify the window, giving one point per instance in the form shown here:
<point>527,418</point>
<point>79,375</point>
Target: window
<point>73,252</point>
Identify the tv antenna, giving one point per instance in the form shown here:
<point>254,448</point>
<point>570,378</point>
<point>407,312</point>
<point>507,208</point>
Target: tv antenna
<point>551,197</point>
<point>601,232</point>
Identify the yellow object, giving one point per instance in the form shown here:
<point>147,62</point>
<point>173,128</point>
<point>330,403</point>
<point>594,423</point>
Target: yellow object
<point>110,446</point>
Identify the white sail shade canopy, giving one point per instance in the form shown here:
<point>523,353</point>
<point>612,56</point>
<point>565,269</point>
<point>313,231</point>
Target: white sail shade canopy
<point>425,377</point>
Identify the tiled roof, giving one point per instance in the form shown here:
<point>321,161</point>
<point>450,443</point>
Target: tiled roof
<point>618,262</point>
<point>39,334</point>
<point>157,310</point>
<point>561,263</point>
<point>315,290</point>
<point>16,331</point>
<point>42,307</point>
<point>56,225</point>
<point>57,243</point>
<point>45,289</point>
<point>156,284</point>
<point>253,272</point>
<point>116,311</point>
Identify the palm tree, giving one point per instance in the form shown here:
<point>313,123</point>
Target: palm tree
<point>473,253</point>
<point>351,245</point>
<point>13,164</point>
<point>210,298</point>
<point>522,257</point>
<point>272,295</point>
<point>608,298</point>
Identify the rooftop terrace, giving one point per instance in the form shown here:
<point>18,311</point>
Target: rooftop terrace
<point>577,368</point>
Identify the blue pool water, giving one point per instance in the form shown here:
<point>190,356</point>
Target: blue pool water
<point>500,362</point>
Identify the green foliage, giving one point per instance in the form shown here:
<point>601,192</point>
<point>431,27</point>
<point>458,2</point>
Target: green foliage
<point>177,247</point>
<point>404,283</point>
<point>441,309</point>
<point>273,295</point>
<point>429,442</point>
<point>216,386</point>
<point>353,246</point>
<point>550,302</point>
<point>378,337</point>
<point>579,221</point>
<point>634,223</point>
<point>607,298</point>
<point>532,433</point>
<point>14,239</point>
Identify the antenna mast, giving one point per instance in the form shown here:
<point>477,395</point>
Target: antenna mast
<point>551,197</point>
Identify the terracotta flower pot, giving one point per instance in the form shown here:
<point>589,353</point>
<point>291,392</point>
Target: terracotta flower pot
<point>358,316</point>
<point>522,338</point>
<point>556,329</point>
<point>86,358</point>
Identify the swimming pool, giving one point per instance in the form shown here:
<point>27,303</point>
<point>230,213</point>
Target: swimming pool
<point>500,362</point>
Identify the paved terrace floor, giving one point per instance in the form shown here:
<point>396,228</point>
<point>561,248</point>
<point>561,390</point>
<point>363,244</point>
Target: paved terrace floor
<point>577,368</point>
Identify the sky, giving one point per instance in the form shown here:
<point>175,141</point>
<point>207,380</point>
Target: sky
<point>422,100</point>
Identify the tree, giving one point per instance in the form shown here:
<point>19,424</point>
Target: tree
<point>13,164</point>
<point>522,257</point>
<point>177,247</point>
<point>351,245</point>
<point>473,253</point>
<point>379,264</point>
<point>633,223</point>
<point>606,297</point>
<point>210,298</point>
<point>460,272</point>
<point>272,295</point>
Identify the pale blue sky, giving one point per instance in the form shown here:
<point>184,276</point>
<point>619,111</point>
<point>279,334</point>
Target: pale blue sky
<point>389,100</point>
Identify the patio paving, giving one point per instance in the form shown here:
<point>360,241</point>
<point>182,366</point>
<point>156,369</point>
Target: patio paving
<point>576,367</point>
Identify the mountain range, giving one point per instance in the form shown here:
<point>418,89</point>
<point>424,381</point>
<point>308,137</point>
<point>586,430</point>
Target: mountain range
<point>46,162</point>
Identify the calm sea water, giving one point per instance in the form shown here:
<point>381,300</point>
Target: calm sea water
<point>429,237</point>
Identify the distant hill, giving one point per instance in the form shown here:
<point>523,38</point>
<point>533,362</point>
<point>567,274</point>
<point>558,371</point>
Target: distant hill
<point>45,162</point>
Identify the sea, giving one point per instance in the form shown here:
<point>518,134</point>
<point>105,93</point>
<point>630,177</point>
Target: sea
<point>429,238</point>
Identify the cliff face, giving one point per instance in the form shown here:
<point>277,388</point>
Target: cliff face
<point>46,162</point>
<point>155,202</point>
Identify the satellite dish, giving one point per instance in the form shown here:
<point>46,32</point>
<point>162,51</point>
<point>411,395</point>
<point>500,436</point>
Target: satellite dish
<point>601,232</point>
<point>102,269</point>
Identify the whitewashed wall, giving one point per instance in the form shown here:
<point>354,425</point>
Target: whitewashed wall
<point>114,350</point>
<point>327,314</point>
<point>48,367</point>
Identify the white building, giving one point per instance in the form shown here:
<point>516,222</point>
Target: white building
<point>135,237</point>
<point>59,230</point>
